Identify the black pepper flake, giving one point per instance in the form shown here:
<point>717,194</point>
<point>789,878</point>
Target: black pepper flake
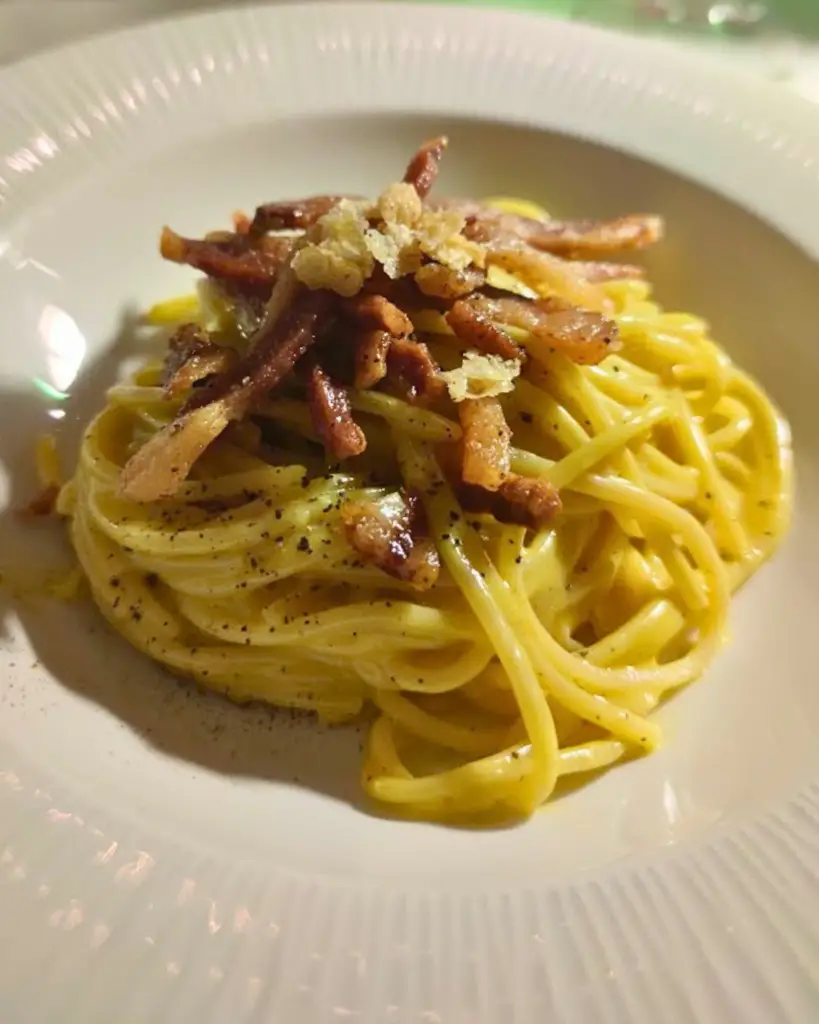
<point>114,581</point>
<point>243,629</point>
<point>278,513</point>
<point>305,481</point>
<point>527,417</point>
<point>151,579</point>
<point>518,560</point>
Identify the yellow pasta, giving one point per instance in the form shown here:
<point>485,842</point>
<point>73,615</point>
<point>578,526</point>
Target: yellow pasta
<point>536,655</point>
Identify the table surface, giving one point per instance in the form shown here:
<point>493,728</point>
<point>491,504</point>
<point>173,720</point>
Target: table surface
<point>28,26</point>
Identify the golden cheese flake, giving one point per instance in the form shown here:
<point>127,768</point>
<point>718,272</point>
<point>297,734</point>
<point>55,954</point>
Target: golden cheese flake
<point>318,266</point>
<point>395,248</point>
<point>395,232</point>
<point>481,376</point>
<point>440,237</point>
<point>340,260</point>
<point>399,203</point>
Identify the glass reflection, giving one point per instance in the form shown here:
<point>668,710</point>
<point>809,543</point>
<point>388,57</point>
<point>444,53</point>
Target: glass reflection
<point>65,348</point>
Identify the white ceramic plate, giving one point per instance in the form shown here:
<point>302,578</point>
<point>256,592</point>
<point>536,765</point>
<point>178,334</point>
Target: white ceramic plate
<point>166,857</point>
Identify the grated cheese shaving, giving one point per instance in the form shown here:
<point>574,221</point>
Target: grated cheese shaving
<point>481,376</point>
<point>396,232</point>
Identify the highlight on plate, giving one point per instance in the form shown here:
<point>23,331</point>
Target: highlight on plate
<point>440,463</point>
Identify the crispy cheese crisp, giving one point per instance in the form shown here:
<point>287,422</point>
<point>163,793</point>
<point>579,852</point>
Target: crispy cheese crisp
<point>481,376</point>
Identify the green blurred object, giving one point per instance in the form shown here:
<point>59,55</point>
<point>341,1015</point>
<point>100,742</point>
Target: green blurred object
<point>714,17</point>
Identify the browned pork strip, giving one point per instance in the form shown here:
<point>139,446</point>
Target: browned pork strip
<point>440,282</point>
<point>569,238</point>
<point>158,469</point>
<point>376,312</point>
<point>598,273</point>
<point>394,537</point>
<point>292,214</point>
<point>546,273</point>
<point>402,292</point>
<point>228,256</point>
<point>521,501</point>
<point>472,322</point>
<point>485,446</point>
<point>372,348</point>
<point>332,417</point>
<point>410,365</point>
<point>555,326</point>
<point>192,357</point>
<point>562,238</point>
<point>276,348</point>
<point>422,170</point>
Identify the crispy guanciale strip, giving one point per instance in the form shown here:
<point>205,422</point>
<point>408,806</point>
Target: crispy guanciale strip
<point>371,350</point>
<point>521,501</point>
<point>422,170</point>
<point>381,322</point>
<point>393,535</point>
<point>598,272</point>
<point>440,282</point>
<point>402,292</point>
<point>292,214</point>
<point>375,312</point>
<point>159,468</point>
<point>546,273</point>
<point>562,238</point>
<point>192,357</point>
<point>486,455</point>
<point>228,256</point>
<point>411,367</point>
<point>581,335</point>
<point>472,323</point>
<point>331,414</point>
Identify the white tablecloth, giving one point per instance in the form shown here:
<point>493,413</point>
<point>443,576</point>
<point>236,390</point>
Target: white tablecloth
<point>27,26</point>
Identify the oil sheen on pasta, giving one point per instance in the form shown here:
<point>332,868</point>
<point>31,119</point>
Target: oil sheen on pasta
<point>535,657</point>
